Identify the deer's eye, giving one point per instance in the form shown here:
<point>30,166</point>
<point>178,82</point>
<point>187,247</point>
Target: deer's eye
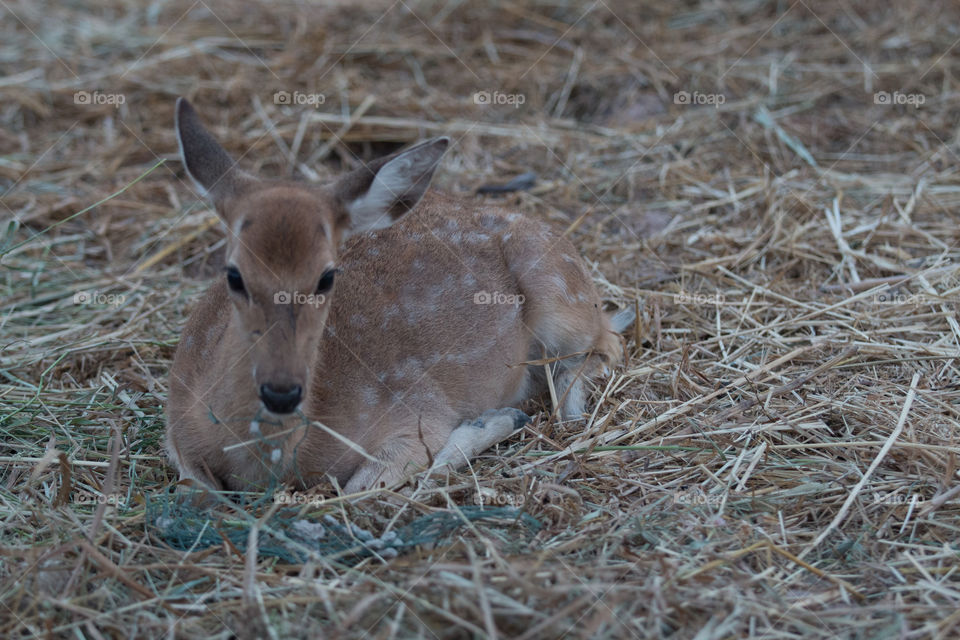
<point>234,281</point>
<point>326,280</point>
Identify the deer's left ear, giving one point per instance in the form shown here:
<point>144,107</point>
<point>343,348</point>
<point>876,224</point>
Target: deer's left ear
<point>376,196</point>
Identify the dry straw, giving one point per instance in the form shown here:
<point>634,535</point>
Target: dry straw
<point>773,185</point>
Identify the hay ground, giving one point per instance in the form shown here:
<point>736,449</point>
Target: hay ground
<point>776,459</point>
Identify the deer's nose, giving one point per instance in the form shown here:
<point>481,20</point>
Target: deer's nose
<point>281,399</point>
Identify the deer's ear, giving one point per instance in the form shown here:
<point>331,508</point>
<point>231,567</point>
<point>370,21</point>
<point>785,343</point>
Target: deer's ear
<point>210,167</point>
<point>376,196</point>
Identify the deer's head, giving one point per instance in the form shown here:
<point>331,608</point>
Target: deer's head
<point>282,247</point>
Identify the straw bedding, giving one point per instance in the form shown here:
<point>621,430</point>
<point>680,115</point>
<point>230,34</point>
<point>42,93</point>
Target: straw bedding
<point>772,185</point>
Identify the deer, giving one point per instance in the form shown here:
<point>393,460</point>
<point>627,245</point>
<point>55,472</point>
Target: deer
<point>371,327</point>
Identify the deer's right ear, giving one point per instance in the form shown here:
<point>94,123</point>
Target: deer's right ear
<point>210,167</point>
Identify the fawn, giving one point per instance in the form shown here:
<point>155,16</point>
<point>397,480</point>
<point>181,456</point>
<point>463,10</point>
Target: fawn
<point>367,327</point>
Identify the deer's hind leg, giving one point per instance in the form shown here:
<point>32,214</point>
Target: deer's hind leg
<point>563,313</point>
<point>473,437</point>
<point>397,458</point>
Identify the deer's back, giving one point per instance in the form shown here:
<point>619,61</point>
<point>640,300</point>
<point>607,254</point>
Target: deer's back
<point>426,315</point>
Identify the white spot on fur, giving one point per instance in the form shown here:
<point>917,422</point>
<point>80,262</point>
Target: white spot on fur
<point>388,315</point>
<point>412,368</point>
<point>492,222</point>
<point>563,288</point>
<point>275,455</point>
<point>370,396</point>
<point>475,237</point>
<point>477,352</point>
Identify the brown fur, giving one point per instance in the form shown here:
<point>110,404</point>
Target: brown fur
<point>396,357</point>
